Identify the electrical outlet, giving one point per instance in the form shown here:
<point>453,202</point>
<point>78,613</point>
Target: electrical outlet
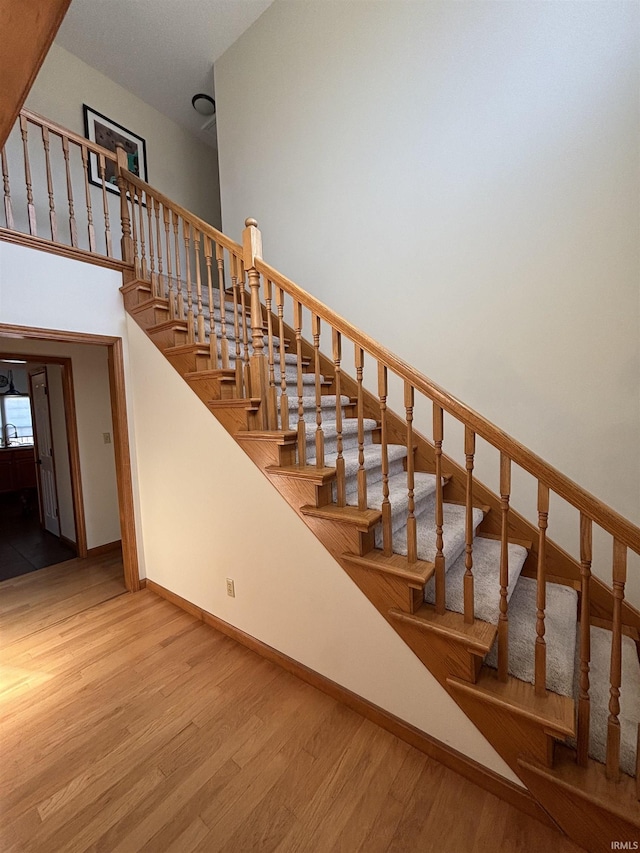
<point>231,588</point>
<point>107,437</point>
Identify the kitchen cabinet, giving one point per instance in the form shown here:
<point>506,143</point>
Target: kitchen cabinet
<point>17,469</point>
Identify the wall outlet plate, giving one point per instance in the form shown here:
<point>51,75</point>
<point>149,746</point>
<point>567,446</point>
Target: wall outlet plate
<point>231,588</point>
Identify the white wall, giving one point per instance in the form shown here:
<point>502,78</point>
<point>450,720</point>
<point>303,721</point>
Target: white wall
<point>461,180</point>
<point>180,166</point>
<point>208,514</point>
<point>50,292</point>
<point>194,492</point>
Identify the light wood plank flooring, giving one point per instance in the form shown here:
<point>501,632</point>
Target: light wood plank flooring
<point>34,601</point>
<point>132,727</point>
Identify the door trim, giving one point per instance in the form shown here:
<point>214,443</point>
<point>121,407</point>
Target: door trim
<point>120,436</point>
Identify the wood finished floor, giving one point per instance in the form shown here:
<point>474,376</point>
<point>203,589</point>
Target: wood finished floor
<point>132,727</point>
<point>34,601</point>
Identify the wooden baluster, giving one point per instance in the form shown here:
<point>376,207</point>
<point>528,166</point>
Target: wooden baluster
<point>200,315</point>
<point>540,675</point>
<point>171,293</point>
<point>387,534</point>
<point>91,231</point>
<point>252,251</point>
<point>272,397</point>
<point>503,621</point>
<point>186,233</point>
<point>469,598</point>
<point>440,568</point>
<point>584,704</point>
<point>152,263</point>
<point>224,343</point>
<point>302,434</point>
<point>412,531</point>
<point>316,325</point>
<point>612,768</point>
<point>73,228</point>
<point>213,338</point>
<point>137,265</point>
<point>128,244</point>
<point>245,331</point>
<point>52,204</point>
<point>176,242</point>
<point>27,177</point>
<point>8,212</point>
<point>341,485</point>
<point>144,269</point>
<point>102,168</point>
<point>235,261</point>
<point>284,398</point>
<point>161,287</point>
<point>362,471</point>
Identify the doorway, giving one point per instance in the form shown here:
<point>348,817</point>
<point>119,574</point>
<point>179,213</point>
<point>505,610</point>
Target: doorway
<point>41,346</point>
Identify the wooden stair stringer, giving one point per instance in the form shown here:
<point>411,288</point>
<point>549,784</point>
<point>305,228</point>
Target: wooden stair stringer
<point>518,724</point>
<point>589,808</point>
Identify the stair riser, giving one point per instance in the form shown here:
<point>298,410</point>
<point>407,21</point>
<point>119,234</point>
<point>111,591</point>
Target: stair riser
<point>189,362</point>
<point>374,475</point>
<point>331,444</point>
<point>385,591</point>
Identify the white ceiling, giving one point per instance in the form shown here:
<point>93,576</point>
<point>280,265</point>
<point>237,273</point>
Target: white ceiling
<point>161,50</point>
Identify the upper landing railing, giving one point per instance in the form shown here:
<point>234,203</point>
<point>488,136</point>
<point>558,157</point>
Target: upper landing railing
<point>243,311</point>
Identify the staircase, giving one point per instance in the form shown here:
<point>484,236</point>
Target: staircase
<point>539,652</point>
<point>497,612</point>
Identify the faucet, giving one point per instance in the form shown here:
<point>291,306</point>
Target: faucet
<point>7,437</point>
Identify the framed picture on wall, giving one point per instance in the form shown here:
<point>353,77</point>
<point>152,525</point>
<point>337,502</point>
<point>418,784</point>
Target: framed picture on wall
<point>108,133</point>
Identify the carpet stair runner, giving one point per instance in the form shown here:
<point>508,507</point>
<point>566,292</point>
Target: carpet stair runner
<point>561,625</point>
<point>452,649</point>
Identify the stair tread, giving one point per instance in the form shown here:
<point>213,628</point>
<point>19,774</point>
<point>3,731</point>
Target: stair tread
<point>553,711</point>
<point>479,635</point>
<point>210,373</point>
<point>252,403</point>
<point>349,427</point>
<point>599,695</point>
<point>590,782</point>
<point>277,435</point>
<point>454,532</point>
<point>486,572</point>
<point>363,519</point>
<point>396,564</point>
<point>560,634</point>
<point>424,485</point>
<point>182,349</point>
<point>304,472</point>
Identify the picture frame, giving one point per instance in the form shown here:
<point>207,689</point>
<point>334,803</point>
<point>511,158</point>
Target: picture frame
<point>106,132</point>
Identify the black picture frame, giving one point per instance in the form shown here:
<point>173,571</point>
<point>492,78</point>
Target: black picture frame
<point>106,132</point>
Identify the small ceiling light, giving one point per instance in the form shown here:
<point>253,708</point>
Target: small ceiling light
<point>203,104</point>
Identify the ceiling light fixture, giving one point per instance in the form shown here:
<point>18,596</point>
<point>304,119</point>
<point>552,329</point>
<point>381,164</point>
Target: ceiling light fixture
<point>203,104</point>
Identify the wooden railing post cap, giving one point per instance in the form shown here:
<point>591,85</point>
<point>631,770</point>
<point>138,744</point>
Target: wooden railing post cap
<point>121,156</point>
<point>251,243</point>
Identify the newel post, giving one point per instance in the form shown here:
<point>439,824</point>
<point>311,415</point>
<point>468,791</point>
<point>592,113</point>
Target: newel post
<point>252,249</point>
<point>122,166</point>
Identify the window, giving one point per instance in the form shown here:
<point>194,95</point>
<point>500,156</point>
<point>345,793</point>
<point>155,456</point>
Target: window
<point>15,415</point>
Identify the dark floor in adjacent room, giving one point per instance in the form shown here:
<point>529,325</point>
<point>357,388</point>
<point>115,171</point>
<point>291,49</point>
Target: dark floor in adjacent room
<point>24,545</point>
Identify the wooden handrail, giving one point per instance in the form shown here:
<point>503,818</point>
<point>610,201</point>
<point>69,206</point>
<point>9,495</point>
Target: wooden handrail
<point>217,236</point>
<point>64,132</point>
<point>610,520</point>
